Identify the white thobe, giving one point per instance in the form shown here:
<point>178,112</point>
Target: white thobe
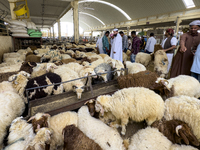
<point>99,44</point>
<point>117,48</point>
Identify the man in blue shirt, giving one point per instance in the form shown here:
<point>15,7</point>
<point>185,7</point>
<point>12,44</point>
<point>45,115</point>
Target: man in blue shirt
<point>105,42</point>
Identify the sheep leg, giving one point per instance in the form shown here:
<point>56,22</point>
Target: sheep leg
<point>124,122</point>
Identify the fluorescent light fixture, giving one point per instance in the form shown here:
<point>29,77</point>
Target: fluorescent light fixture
<point>189,3</point>
<point>109,4</point>
<point>92,16</point>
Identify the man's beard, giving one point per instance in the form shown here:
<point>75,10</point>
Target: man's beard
<point>115,35</point>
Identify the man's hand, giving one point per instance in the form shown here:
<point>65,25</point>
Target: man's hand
<point>107,50</point>
<point>183,49</point>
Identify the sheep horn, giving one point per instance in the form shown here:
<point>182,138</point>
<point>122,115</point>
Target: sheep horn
<point>33,117</point>
<point>184,137</point>
<point>178,128</point>
<point>30,64</point>
<point>46,115</point>
<point>13,79</point>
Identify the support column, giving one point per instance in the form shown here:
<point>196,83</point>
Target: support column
<point>75,20</point>
<point>91,36</point>
<point>178,21</point>
<point>128,30</point>
<point>12,6</point>
<point>59,30</point>
<point>50,32</point>
<point>53,33</point>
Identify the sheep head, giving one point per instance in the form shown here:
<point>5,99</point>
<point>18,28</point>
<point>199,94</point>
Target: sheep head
<point>176,131</point>
<point>40,120</point>
<point>91,107</point>
<point>103,74</point>
<point>79,88</point>
<point>50,67</point>
<point>101,104</point>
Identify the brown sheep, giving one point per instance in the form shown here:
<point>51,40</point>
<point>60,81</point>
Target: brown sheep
<point>28,67</point>
<point>5,76</point>
<point>176,131</point>
<point>66,61</point>
<point>75,139</point>
<point>33,58</point>
<point>141,79</point>
<point>91,107</point>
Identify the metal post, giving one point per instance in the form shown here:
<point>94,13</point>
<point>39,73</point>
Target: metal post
<point>12,6</point>
<point>76,21</point>
<point>59,30</point>
<point>178,21</point>
<point>128,30</point>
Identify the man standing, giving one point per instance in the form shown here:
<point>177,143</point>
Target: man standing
<point>105,42</point>
<point>124,41</point>
<point>135,46</point>
<point>183,59</point>
<point>150,44</point>
<point>168,45</point>
<point>116,50</point>
<point>99,45</point>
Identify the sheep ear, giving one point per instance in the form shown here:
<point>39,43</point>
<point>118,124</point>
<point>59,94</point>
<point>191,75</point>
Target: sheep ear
<point>33,117</point>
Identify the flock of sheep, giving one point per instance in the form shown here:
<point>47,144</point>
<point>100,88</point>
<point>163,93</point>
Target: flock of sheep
<point>170,107</point>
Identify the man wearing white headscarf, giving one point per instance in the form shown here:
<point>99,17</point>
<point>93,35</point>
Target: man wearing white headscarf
<point>182,62</point>
<point>99,45</point>
<point>116,50</point>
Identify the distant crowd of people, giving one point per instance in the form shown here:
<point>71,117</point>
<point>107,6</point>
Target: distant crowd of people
<point>185,62</point>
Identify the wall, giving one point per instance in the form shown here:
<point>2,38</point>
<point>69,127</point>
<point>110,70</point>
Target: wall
<point>6,45</point>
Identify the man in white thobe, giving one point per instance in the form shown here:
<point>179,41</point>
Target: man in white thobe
<point>116,50</point>
<point>99,45</point>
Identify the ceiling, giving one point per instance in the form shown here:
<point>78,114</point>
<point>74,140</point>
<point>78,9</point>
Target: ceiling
<point>135,9</point>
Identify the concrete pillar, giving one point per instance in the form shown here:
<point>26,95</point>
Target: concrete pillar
<point>59,30</point>
<point>12,6</point>
<point>128,30</point>
<point>50,31</point>
<point>74,5</point>
<point>91,36</point>
<point>53,33</point>
<point>178,21</point>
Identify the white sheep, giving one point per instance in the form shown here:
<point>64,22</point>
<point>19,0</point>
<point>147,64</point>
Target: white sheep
<point>57,123</point>
<point>65,56</point>
<point>152,139</point>
<point>134,67</point>
<point>136,103</point>
<point>96,63</point>
<point>11,68</point>
<point>6,86</point>
<point>143,58</point>
<point>11,106</point>
<point>20,134</point>
<point>70,52</point>
<point>74,66</point>
<point>186,109</point>
<point>181,85</point>
<point>67,74</point>
<point>107,137</point>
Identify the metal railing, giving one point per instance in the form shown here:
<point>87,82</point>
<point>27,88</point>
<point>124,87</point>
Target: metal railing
<point>91,89</point>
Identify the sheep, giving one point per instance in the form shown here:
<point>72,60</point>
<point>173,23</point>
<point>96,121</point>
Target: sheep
<point>10,55</point>
<point>33,58</point>
<point>136,103</point>
<point>75,139</point>
<point>20,134</point>
<point>104,70</point>
<point>27,67</point>
<point>75,67</point>
<point>41,51</point>
<point>57,123</point>
<point>152,139</point>
<point>4,76</point>
<point>96,63</point>
<point>42,69</point>
<point>11,68</point>
<point>42,140</point>
<point>186,109</point>
<point>106,137</point>
<point>19,82</point>
<point>6,86</point>
<point>180,85</point>
<point>161,63</point>
<point>11,106</point>
<point>103,55</point>
<point>66,61</point>
<point>71,53</point>
<point>143,58</point>
<point>175,131</point>
<point>65,56</point>
<point>116,65</point>
<point>67,74</point>
<point>53,55</point>
<point>46,79</point>
<point>141,79</point>
<point>134,67</point>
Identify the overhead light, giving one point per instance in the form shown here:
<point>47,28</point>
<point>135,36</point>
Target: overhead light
<point>109,4</point>
<point>189,3</point>
<point>88,8</point>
